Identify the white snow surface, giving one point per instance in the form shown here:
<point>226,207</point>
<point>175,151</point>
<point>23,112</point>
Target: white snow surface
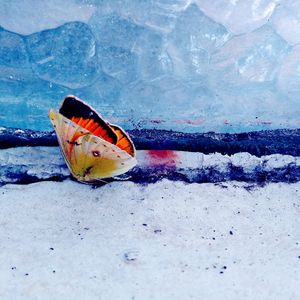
<point>167,240</point>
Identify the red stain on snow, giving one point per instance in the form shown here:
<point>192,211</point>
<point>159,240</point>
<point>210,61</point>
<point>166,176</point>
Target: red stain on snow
<point>162,157</point>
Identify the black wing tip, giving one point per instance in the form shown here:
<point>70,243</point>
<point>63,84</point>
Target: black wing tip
<point>73,106</point>
<point>71,102</point>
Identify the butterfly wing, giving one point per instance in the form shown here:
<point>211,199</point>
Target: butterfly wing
<point>89,157</point>
<point>124,142</point>
<point>96,159</point>
<point>67,133</point>
<point>86,117</point>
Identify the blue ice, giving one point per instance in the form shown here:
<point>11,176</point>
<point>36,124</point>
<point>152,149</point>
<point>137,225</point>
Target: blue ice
<point>183,65</point>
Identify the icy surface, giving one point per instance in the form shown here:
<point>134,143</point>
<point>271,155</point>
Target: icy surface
<point>286,20</point>
<point>161,241</point>
<point>71,50</point>
<point>239,16</point>
<point>252,57</point>
<point>30,16</point>
<point>289,76</point>
<point>193,66</point>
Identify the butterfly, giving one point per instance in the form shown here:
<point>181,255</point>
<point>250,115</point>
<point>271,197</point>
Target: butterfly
<point>92,148</point>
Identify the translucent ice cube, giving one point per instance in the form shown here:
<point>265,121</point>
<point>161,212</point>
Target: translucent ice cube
<point>239,16</point>
<point>66,55</point>
<point>158,15</point>
<point>12,49</point>
<point>289,75</point>
<point>168,99</point>
<point>192,41</point>
<point>253,105</point>
<point>30,16</point>
<point>115,31</point>
<point>286,21</point>
<point>153,61</point>
<point>14,59</point>
<point>255,56</point>
<point>119,63</point>
<point>210,64</point>
<point>26,104</point>
<point>128,50</point>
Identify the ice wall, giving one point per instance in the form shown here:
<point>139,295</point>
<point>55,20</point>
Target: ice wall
<point>194,66</point>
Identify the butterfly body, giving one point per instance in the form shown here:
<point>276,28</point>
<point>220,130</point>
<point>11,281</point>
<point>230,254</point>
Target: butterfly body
<point>93,149</point>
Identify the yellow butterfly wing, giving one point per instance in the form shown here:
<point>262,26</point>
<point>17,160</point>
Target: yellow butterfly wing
<point>95,158</point>
<point>89,157</point>
<point>67,132</point>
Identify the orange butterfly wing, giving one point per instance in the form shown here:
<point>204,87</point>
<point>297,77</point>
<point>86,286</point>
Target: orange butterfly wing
<point>92,148</point>
<point>124,142</point>
<point>83,115</point>
<point>89,157</point>
<point>86,117</point>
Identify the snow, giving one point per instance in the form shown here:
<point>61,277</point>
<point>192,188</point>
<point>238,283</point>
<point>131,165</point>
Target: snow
<point>249,162</point>
<point>30,164</point>
<point>278,161</point>
<point>167,240</point>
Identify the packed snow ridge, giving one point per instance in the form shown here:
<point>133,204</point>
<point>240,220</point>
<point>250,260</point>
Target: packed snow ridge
<point>32,164</point>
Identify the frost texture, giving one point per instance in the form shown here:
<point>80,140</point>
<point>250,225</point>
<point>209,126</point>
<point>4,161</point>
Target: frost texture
<point>225,66</point>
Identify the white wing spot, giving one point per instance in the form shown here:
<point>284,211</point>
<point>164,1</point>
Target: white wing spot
<point>96,153</point>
